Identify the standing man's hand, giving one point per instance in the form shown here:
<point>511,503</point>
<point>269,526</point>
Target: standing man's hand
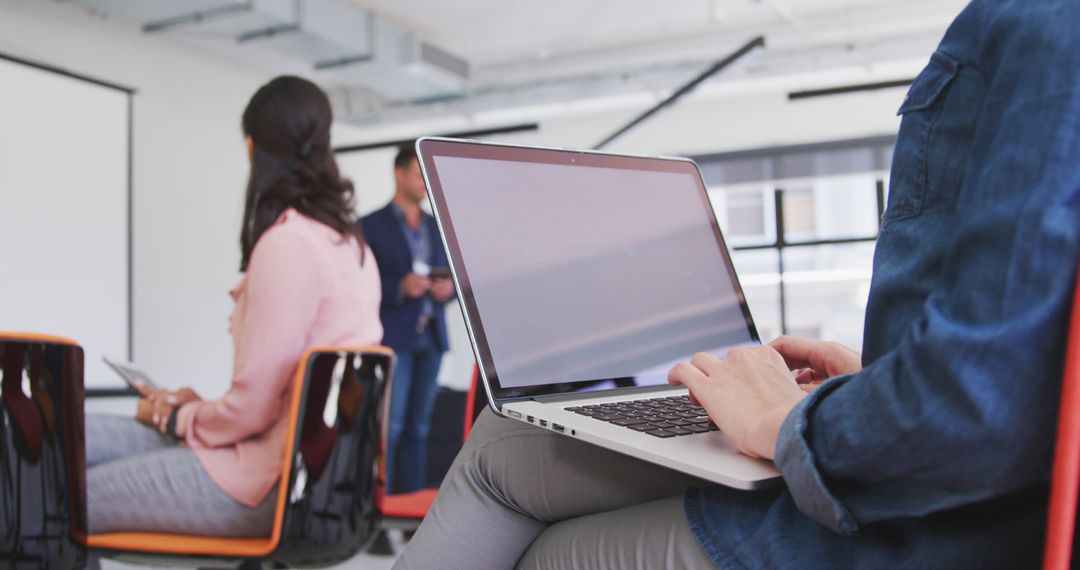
<point>748,394</point>
<point>815,361</point>
<point>442,288</point>
<point>414,286</point>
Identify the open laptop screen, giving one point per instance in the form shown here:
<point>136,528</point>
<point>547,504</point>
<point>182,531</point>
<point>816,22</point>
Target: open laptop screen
<point>582,269</point>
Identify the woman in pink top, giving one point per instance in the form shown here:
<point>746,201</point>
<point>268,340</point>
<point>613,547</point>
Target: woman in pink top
<point>188,465</point>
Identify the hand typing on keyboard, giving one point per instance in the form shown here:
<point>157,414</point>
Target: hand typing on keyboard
<point>815,361</point>
<point>748,394</point>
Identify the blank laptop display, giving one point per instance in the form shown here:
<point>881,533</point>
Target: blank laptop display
<point>595,271</point>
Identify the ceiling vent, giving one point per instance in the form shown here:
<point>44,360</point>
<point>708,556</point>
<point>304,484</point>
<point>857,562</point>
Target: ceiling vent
<point>339,42</point>
<point>401,66</point>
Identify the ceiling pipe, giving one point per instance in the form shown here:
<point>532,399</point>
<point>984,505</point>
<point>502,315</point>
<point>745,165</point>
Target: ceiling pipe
<point>855,88</point>
<point>747,48</point>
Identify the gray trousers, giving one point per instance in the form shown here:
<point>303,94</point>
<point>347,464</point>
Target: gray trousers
<point>139,480</point>
<point>521,496</point>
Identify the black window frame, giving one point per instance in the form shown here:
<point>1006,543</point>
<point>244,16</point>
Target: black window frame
<point>766,165</point>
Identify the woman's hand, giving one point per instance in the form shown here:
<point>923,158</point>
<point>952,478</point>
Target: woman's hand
<point>748,394</point>
<point>185,395</point>
<point>156,405</point>
<point>815,361</point>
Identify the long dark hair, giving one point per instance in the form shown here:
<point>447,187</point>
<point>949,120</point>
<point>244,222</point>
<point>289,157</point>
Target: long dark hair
<point>292,165</point>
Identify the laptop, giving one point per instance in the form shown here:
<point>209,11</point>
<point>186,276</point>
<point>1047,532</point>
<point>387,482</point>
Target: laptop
<point>583,278</point>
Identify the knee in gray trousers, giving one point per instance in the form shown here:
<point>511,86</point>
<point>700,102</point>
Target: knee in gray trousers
<point>521,495</point>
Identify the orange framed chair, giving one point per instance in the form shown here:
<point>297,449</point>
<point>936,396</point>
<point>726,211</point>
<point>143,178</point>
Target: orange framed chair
<point>42,460</point>
<point>475,402</point>
<point>405,511</point>
<point>326,495</point>
<point>1065,478</point>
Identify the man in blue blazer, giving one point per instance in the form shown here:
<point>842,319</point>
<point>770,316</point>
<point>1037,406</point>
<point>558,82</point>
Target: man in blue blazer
<point>416,285</point>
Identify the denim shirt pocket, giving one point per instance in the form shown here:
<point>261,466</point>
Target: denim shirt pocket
<point>908,185</point>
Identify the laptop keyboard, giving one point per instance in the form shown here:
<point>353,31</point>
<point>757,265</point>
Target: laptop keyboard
<point>659,417</point>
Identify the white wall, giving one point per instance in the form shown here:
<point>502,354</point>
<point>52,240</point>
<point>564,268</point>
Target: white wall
<point>372,174</point>
<point>70,277</point>
<point>190,168</point>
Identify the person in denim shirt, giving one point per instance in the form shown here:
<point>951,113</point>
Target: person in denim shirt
<point>932,450</point>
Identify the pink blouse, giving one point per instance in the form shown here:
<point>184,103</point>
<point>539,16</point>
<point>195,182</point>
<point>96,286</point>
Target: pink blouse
<point>304,287</point>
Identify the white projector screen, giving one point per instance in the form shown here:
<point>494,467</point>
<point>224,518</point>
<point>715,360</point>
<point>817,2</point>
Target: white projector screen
<point>64,200</point>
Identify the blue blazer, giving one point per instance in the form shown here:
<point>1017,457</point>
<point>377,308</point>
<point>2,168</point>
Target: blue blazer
<point>400,314</point>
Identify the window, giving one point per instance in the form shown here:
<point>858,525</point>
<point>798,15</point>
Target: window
<point>807,271</point>
<point>825,289</point>
<point>799,214</point>
<point>746,214</point>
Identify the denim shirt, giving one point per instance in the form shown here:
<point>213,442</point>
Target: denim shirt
<point>938,453</point>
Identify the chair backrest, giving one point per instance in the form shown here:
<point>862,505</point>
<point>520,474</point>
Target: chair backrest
<point>475,401</point>
<point>1065,479</point>
<point>327,496</point>
<point>42,457</point>
<point>325,509</point>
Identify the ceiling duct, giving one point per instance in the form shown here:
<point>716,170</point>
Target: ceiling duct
<point>343,43</point>
<point>144,12</point>
<point>318,32</point>
<point>402,66</point>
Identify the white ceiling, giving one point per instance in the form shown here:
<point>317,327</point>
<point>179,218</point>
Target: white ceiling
<point>529,53</point>
<point>495,33</point>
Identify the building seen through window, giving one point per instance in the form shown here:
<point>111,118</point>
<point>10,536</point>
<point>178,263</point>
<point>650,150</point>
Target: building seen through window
<point>802,223</point>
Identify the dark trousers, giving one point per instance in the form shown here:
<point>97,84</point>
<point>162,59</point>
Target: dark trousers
<point>411,402</point>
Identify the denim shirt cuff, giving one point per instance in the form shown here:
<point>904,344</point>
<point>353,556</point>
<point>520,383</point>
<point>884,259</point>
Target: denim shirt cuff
<point>796,462</point>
